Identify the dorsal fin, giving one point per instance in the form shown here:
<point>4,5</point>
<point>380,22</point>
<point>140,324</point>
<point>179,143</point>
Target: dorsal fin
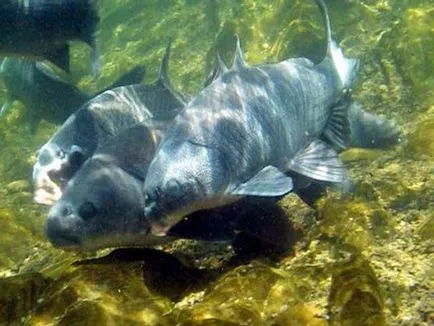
<point>218,69</point>
<point>163,77</point>
<point>239,57</point>
<point>346,69</point>
<point>162,74</point>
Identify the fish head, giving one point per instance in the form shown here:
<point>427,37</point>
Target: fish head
<point>54,166</point>
<point>182,178</point>
<point>101,206</point>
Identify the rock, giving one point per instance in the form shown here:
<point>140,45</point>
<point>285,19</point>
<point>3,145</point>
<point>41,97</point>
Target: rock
<point>355,296</point>
<point>19,295</point>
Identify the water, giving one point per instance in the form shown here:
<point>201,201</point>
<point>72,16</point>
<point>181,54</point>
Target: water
<point>362,259</point>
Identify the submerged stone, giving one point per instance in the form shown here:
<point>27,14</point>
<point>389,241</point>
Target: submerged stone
<point>355,296</point>
<point>19,295</point>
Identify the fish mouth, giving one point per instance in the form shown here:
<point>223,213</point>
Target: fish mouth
<point>66,243</point>
<point>47,195</point>
<point>62,235</point>
<point>47,192</point>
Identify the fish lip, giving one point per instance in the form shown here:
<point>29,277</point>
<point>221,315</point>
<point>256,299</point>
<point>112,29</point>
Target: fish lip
<point>46,191</point>
<point>66,242</point>
<point>67,238</point>
<point>44,197</point>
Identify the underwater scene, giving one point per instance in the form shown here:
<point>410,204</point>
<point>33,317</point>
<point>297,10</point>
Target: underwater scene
<point>217,162</point>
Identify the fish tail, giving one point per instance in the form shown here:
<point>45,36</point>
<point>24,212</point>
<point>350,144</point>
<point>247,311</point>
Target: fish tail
<point>368,130</point>
<point>346,69</point>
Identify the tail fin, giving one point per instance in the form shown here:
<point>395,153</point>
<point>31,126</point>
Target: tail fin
<point>346,69</point>
<point>371,131</point>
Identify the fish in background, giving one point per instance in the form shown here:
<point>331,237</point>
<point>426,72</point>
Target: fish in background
<point>44,94</point>
<point>42,29</point>
<point>101,206</point>
<point>256,131</point>
<point>96,122</point>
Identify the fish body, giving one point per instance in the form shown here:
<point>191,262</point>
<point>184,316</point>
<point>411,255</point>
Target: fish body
<point>46,95</point>
<point>41,29</point>
<point>251,128</point>
<point>101,118</point>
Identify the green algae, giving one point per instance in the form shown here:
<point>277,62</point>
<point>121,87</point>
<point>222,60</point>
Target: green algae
<point>363,255</point>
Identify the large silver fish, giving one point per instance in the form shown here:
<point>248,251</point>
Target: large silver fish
<point>95,123</point>
<point>261,130</point>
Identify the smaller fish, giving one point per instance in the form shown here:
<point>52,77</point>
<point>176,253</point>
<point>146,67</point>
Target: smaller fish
<point>102,202</point>
<point>97,122</point>
<point>45,95</point>
<point>42,29</point>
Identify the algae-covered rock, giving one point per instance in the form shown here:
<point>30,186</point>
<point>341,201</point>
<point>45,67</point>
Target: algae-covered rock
<point>252,294</point>
<point>84,295</point>
<point>19,295</point>
<point>237,297</point>
<point>355,296</point>
<point>420,140</point>
<point>413,49</point>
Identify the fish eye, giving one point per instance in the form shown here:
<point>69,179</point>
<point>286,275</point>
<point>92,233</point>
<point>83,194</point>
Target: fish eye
<point>61,153</point>
<point>87,211</point>
<point>173,188</point>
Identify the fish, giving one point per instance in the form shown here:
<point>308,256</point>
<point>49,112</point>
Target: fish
<point>88,214</point>
<point>42,29</point>
<point>45,95</point>
<point>96,122</point>
<point>255,131</point>
<point>101,206</point>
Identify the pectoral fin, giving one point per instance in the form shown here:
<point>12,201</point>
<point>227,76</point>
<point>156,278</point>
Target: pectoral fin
<point>320,162</point>
<point>269,182</point>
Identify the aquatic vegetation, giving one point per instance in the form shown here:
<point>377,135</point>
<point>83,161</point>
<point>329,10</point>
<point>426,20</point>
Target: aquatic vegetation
<point>363,254</point>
